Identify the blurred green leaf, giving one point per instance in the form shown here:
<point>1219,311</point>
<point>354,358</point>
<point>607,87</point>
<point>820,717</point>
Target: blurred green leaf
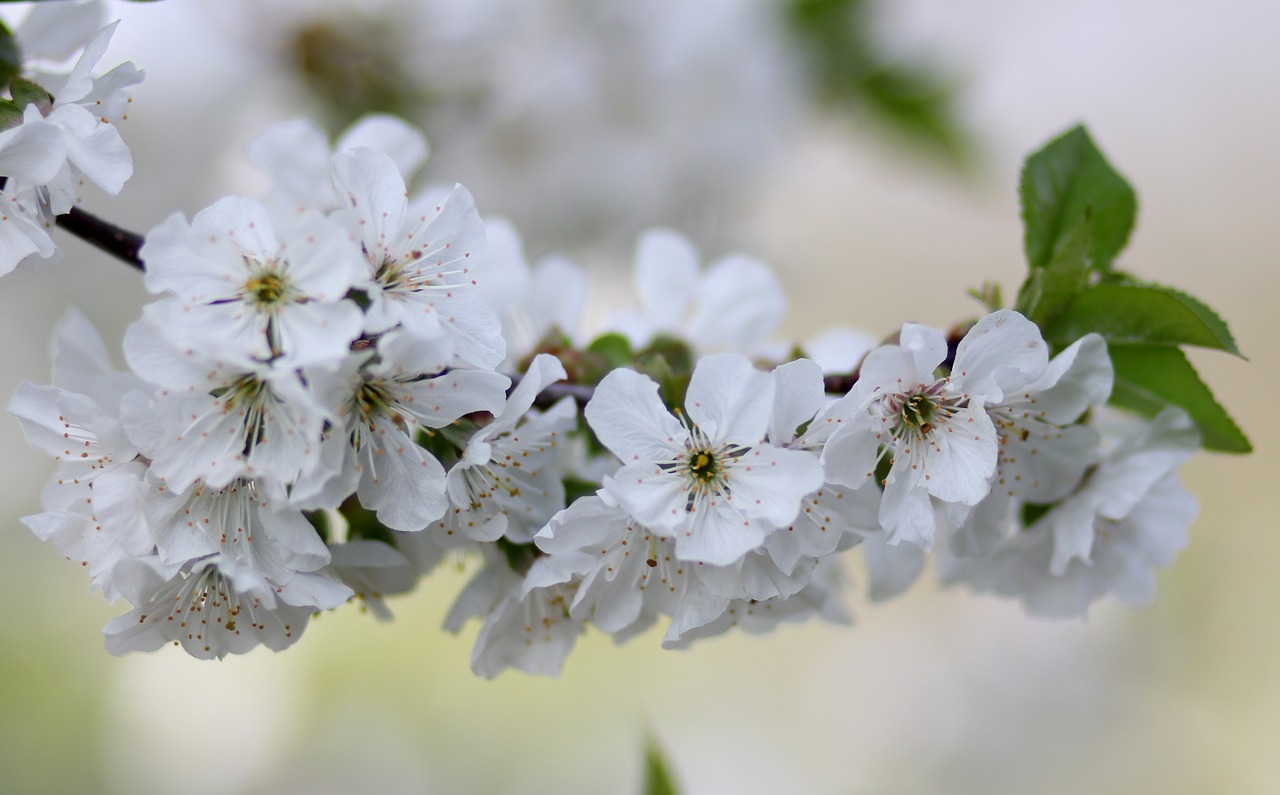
<point>26,92</point>
<point>1065,183</point>
<point>1150,377</point>
<point>363,523</point>
<point>836,43</point>
<point>575,487</point>
<point>614,348</point>
<point>320,521</point>
<point>354,65</point>
<point>657,775</point>
<point>1032,512</point>
<point>10,114</point>
<point>674,350</point>
<point>1141,313</point>
<point>519,556</point>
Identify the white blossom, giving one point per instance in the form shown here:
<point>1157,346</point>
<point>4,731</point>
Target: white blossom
<point>507,481</point>
<point>707,479</point>
<point>940,440</point>
<point>214,609</point>
<point>1043,452</point>
<point>215,419</point>
<point>258,296</point>
<point>532,301</point>
<point>419,259</point>
<point>382,402</point>
<point>1128,517</point>
<point>733,306</point>
<point>297,157</point>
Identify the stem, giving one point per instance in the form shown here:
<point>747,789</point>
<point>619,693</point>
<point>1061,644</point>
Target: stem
<point>838,384</point>
<point>119,243</point>
<point>552,393</point>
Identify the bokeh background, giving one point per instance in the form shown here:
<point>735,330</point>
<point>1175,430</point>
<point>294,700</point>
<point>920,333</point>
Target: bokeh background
<point>874,164</point>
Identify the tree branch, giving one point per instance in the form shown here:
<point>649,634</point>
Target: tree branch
<point>119,243</point>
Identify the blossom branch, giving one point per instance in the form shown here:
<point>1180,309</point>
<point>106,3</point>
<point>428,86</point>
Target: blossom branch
<point>105,236</point>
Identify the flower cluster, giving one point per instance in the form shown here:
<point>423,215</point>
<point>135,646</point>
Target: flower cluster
<point>57,128</point>
<point>344,383</point>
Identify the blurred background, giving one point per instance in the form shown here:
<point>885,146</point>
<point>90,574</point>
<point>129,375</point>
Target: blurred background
<point>869,151</point>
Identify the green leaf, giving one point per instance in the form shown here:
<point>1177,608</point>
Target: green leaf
<point>575,487</point>
<point>1050,289</point>
<point>320,521</point>
<point>10,56</point>
<point>657,776</point>
<point>519,556</point>
<point>676,351</point>
<point>363,523</point>
<point>1150,377</point>
<point>1032,512</point>
<point>836,49</point>
<point>10,114</point>
<point>1066,182</point>
<point>1141,313</point>
<point>614,348</point>
<point>25,92</point>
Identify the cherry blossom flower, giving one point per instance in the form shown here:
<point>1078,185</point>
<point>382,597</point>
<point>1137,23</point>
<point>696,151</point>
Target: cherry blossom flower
<point>507,482</point>
<point>1129,517</point>
<point>215,608</point>
<point>939,438</point>
<point>297,157</point>
<point>708,479</point>
<point>419,260</point>
<point>731,307</point>
<point>382,402</point>
<point>262,298</point>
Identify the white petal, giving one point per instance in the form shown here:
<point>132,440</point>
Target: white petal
<point>1079,377</point>
<point>959,457</point>
<point>1048,464</point>
<point>769,482</point>
<point>296,156</point>
<point>666,276</point>
<point>740,302</point>
<point>729,400</point>
<point>1002,353</point>
<point>906,512</point>
<point>401,482</point>
<point>55,31</point>
<point>317,334</point>
<point>20,237</point>
<point>798,397</point>
<point>629,418</point>
<point>390,135</point>
<point>544,370</point>
<point>323,260</point>
<point>34,151</point>
<point>371,187</point>
<point>95,148</point>
<point>79,82</point>
<point>891,568</point>
<point>850,456</point>
<point>719,534</point>
<point>436,402</point>
<point>654,497</point>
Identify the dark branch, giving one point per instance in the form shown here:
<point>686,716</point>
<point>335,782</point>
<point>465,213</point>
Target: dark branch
<point>552,393</point>
<point>119,243</point>
<point>832,384</point>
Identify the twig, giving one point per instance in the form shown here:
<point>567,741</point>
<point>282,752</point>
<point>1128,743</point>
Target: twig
<point>119,243</point>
